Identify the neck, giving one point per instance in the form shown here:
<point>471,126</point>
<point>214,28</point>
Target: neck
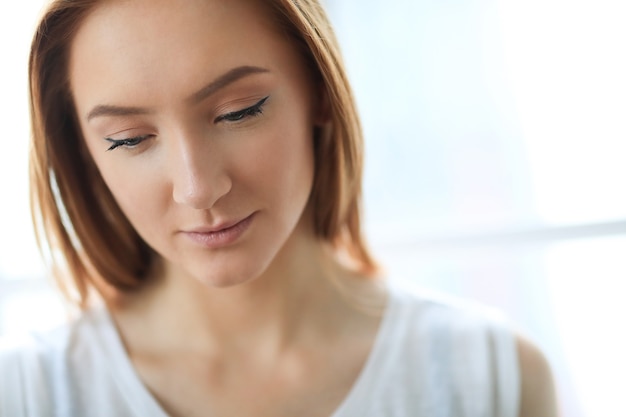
<point>292,301</point>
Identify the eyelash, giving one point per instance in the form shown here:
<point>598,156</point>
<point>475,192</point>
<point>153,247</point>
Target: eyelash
<point>128,142</point>
<point>235,116</point>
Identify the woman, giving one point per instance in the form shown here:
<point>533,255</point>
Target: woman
<point>196,166</point>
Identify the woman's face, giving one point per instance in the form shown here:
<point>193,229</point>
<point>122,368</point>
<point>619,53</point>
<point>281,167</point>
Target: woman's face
<point>199,116</point>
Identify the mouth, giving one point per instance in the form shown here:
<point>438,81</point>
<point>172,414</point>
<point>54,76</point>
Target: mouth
<point>221,235</point>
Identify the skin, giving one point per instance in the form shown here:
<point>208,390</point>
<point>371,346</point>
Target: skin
<point>250,326</point>
<point>537,396</point>
<point>196,172</point>
<point>256,324</point>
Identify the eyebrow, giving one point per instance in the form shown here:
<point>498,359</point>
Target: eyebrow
<point>222,81</point>
<point>108,110</point>
<point>230,77</point>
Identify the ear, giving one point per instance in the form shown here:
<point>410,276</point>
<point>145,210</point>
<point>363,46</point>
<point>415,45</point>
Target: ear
<point>322,105</point>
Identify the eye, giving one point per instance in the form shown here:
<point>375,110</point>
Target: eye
<point>239,115</point>
<point>126,143</point>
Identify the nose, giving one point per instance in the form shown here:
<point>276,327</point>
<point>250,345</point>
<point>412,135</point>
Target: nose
<point>199,179</point>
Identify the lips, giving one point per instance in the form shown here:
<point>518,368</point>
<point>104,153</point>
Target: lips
<point>224,234</point>
<point>219,228</point>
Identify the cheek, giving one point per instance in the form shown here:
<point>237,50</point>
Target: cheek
<point>283,161</point>
<point>136,191</point>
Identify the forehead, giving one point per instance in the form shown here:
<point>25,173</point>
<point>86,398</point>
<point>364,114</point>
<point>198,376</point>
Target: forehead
<point>130,45</point>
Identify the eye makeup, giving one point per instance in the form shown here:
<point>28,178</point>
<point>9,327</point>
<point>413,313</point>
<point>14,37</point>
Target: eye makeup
<point>239,115</point>
<point>231,117</point>
<point>127,142</point>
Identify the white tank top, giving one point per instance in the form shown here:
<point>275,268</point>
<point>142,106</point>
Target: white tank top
<point>432,358</point>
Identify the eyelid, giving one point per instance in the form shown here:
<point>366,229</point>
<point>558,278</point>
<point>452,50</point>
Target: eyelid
<point>128,143</point>
<point>238,115</point>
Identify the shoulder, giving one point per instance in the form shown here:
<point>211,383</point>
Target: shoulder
<point>471,333</point>
<point>463,345</point>
<point>24,369</point>
<point>39,369</point>
<point>21,355</point>
<point>40,346</point>
<point>10,398</point>
<point>440,312</point>
<point>458,330</point>
<point>454,327</point>
<point>538,398</point>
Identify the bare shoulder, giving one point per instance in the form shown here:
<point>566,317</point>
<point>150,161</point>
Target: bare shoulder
<point>538,394</point>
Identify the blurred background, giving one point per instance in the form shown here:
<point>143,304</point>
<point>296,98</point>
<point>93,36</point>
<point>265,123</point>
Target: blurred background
<point>496,141</point>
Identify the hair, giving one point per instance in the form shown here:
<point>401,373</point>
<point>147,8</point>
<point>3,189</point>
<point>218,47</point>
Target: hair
<point>82,233</point>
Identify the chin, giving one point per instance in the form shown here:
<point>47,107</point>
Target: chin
<point>224,282</point>
<point>227,278</point>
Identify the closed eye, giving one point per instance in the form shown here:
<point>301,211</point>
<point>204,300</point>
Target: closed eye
<point>127,142</point>
<point>239,115</point>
